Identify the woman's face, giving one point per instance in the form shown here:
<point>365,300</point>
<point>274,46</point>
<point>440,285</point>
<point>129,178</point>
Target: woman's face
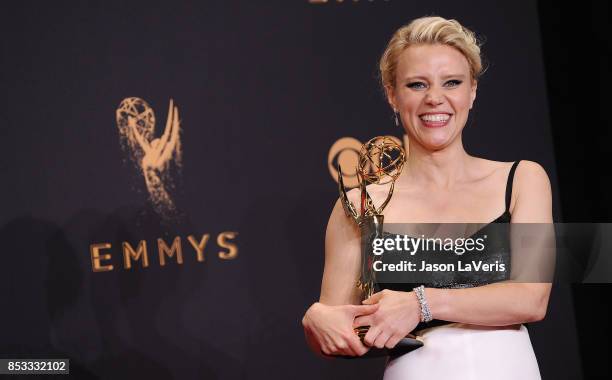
<point>433,94</point>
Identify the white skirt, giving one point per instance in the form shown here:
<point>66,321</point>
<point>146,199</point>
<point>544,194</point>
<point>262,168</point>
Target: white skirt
<point>470,352</point>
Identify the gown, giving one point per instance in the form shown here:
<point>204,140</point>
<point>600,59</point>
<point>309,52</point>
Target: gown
<point>463,351</point>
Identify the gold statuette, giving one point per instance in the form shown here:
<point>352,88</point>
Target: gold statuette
<point>381,161</point>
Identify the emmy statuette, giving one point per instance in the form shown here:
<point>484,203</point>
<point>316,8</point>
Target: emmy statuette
<point>381,160</point>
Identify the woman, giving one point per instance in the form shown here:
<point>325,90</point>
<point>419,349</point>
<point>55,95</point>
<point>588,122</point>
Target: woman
<point>430,73</point>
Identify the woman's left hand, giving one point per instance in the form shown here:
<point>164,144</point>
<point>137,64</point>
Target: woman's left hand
<point>397,315</point>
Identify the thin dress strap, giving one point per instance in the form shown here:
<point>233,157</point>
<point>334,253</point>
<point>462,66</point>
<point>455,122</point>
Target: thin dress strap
<point>509,185</point>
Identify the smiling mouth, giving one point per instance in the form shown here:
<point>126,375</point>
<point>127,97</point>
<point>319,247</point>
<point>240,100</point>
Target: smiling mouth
<point>435,120</point>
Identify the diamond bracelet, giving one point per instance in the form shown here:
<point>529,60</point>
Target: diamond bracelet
<point>425,312</point>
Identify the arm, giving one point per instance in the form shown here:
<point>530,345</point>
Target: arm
<point>170,138</point>
<point>328,324</point>
<point>169,124</point>
<point>498,304</point>
<point>141,141</point>
<point>342,259</point>
<point>505,303</point>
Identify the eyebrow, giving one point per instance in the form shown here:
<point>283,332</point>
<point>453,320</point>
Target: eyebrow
<point>460,76</point>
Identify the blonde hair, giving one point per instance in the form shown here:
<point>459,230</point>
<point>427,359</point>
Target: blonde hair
<point>430,30</point>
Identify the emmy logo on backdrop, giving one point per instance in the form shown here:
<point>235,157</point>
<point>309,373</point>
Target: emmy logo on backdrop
<point>151,155</point>
<point>380,162</point>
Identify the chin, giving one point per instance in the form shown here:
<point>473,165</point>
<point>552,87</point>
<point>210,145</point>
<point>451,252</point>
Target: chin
<point>436,143</point>
<point>436,147</point>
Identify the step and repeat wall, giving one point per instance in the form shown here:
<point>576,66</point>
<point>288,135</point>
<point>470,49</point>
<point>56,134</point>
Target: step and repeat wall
<point>168,172</point>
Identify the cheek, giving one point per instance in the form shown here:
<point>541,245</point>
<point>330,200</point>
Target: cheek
<point>461,101</point>
<point>409,102</point>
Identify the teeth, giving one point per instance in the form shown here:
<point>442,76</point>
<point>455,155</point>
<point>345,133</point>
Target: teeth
<point>435,117</point>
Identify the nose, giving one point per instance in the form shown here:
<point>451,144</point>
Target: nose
<point>434,97</point>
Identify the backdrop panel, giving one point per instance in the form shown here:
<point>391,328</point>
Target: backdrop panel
<point>237,185</point>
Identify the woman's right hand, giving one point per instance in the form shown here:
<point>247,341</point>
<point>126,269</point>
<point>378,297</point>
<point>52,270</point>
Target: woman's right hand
<point>329,329</point>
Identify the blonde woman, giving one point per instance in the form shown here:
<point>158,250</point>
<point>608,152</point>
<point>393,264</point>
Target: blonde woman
<point>430,71</point>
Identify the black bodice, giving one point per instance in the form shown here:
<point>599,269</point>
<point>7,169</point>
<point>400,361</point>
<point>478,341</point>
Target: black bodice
<point>497,250</point>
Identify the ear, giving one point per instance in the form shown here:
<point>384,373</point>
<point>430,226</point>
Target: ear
<point>473,93</point>
<point>391,97</point>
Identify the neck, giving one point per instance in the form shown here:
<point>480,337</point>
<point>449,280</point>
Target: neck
<point>440,169</point>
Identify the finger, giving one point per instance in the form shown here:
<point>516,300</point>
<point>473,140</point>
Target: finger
<point>341,347</point>
<point>373,299</point>
<point>337,345</point>
<point>348,346</point>
<point>371,336</point>
<point>357,348</point>
<point>393,341</point>
<point>365,320</point>
<point>327,352</point>
<point>364,309</point>
<point>327,347</point>
<point>381,340</point>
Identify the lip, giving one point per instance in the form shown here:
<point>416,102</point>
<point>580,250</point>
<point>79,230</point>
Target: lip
<point>435,113</point>
<point>435,124</point>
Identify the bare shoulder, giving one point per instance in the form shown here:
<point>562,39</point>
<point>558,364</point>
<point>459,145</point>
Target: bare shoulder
<point>525,171</point>
<point>532,193</point>
<point>531,170</point>
<point>531,179</point>
<point>485,168</point>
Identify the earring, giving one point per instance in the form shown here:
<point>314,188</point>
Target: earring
<point>396,118</point>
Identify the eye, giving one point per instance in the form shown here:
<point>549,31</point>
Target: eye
<point>416,85</point>
<point>453,83</point>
